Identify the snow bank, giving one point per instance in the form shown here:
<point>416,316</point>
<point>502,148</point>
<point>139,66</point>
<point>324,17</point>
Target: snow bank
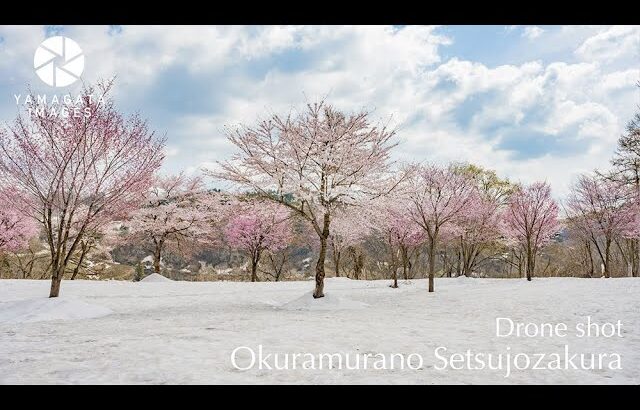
<point>328,302</point>
<point>156,277</point>
<point>42,310</point>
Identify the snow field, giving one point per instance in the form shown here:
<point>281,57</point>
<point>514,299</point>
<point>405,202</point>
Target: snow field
<point>185,332</point>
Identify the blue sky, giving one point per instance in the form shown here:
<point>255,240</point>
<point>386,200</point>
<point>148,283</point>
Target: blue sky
<point>532,102</point>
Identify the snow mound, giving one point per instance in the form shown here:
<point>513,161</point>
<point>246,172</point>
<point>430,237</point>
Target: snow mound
<point>43,310</point>
<point>156,277</point>
<point>328,302</point>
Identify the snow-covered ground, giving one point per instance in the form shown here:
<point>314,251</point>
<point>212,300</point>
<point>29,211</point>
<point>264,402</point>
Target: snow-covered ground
<point>155,277</point>
<point>185,332</point>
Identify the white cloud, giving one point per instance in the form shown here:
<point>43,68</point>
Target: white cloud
<point>619,80</point>
<point>446,110</point>
<point>532,32</point>
<point>611,43</point>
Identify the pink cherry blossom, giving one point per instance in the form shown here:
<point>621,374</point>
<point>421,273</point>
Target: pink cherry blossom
<point>402,235</point>
<point>259,227</point>
<point>176,210</point>
<point>349,227</point>
<point>603,210</point>
<point>78,172</point>
<point>15,228</point>
<point>314,162</point>
<point>531,220</point>
<point>439,197</point>
<point>479,227</point>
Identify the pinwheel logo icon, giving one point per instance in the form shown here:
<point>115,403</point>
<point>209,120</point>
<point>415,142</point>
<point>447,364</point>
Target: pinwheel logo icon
<point>58,61</point>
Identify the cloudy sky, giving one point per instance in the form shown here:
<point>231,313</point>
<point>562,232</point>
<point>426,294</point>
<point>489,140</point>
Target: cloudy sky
<point>533,103</point>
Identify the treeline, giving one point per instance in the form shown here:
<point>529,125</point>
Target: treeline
<point>320,179</point>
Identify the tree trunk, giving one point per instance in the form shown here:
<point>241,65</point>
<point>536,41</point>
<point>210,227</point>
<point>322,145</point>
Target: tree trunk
<point>531,263</point>
<point>157,254</point>
<point>468,259</point>
<point>462,259</point>
<point>459,261</point>
<point>336,262</point>
<point>432,263</point>
<point>591,266</point>
<point>278,265</point>
<point>405,275</point>
<point>80,260</point>
<point>510,265</point>
<point>394,273</point>
<point>56,280</point>
<point>358,263</point>
<point>466,263</point>
<point>76,270</point>
<point>607,258</point>
<point>319,290</point>
<point>395,279</point>
<point>634,258</point>
<point>404,255</point>
<point>520,261</point>
<point>254,270</point>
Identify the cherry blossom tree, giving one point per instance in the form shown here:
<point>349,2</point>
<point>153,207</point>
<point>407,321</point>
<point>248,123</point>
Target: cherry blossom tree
<point>449,244</point>
<point>602,210</point>
<point>314,162</point>
<point>479,229</point>
<point>479,234</point>
<point>348,228</point>
<point>176,210</point>
<point>439,197</point>
<point>78,172</point>
<point>401,234</point>
<point>15,228</point>
<point>626,170</point>
<point>259,227</point>
<point>531,220</point>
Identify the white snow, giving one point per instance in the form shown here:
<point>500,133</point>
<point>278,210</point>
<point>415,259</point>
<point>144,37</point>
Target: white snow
<point>227,271</point>
<point>155,277</point>
<point>47,309</point>
<point>328,302</point>
<point>185,332</point>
